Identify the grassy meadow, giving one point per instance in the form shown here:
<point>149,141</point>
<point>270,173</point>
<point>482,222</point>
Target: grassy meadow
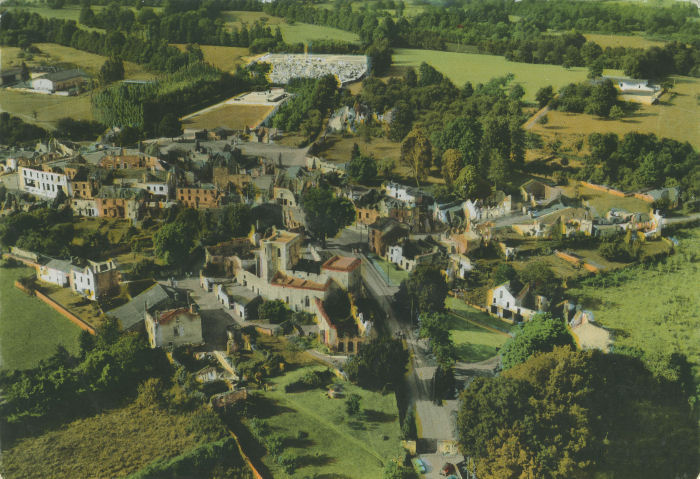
<point>337,445</point>
<point>469,330</point>
<point>225,58</point>
<point>291,33</point>
<point>654,308</point>
<point>477,68</point>
<point>111,444</point>
<point>29,329</point>
<point>676,116</point>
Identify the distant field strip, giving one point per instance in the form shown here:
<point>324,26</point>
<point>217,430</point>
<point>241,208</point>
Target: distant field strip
<point>477,68</point>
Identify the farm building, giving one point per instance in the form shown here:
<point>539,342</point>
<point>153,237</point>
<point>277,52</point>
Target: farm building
<point>59,81</point>
<point>175,327</point>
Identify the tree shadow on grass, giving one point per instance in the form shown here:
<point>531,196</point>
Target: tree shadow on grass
<point>298,443</point>
<point>356,425</point>
<point>264,407</point>
<point>471,353</point>
<point>378,416</point>
<point>315,460</point>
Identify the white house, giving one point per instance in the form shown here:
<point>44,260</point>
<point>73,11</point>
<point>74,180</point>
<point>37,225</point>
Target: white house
<point>43,183</point>
<point>240,299</point>
<point>404,193</point>
<point>175,327</point>
<point>95,279</point>
<point>634,86</point>
<point>506,304</point>
<point>56,272</point>
<point>59,81</point>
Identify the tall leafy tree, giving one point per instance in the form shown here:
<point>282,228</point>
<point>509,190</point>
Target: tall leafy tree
<point>541,334</point>
<point>568,413</point>
<point>417,154</point>
<point>325,213</point>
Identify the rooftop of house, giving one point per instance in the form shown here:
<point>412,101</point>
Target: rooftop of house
<point>385,224</point>
<point>280,279</point>
<point>116,192</point>
<point>65,75</point>
<point>341,263</point>
<point>240,294</point>
<point>165,317</point>
<point>282,236</point>
<point>157,296</point>
<point>62,265</point>
<point>203,186</point>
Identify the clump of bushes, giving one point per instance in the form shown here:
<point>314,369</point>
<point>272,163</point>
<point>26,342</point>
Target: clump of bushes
<point>310,380</point>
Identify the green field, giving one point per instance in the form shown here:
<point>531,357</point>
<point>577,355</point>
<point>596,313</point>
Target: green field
<point>29,329</point>
<point>474,342</point>
<point>294,33</point>
<point>337,445</point>
<point>657,308</point>
<point>389,271</point>
<point>111,444</point>
<point>476,68</point>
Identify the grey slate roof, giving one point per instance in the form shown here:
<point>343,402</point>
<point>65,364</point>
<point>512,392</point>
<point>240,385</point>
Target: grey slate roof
<point>158,295</point>
<point>61,265</point>
<point>240,294</point>
<point>65,75</point>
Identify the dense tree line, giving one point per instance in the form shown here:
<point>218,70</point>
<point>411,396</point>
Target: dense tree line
<point>313,100</point>
<point>596,99</point>
<point>491,27</point>
<point>569,414</point>
<point>640,160</point>
<point>471,134</point>
<point>21,28</point>
<point>14,131</point>
<point>145,106</point>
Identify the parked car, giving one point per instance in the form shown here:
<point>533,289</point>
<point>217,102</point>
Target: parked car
<point>420,465</point>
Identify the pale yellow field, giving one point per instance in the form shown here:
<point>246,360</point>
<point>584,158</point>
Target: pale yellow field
<point>225,58</point>
<point>676,116</point>
<point>236,117</point>
<point>48,108</point>
<point>627,41</point>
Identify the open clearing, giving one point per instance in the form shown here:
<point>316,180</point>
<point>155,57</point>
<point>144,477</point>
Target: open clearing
<point>291,33</point>
<point>477,68</point>
<point>473,343</point>
<point>225,58</point>
<point>655,308</point>
<point>627,41</point>
<point>676,116</point>
<point>111,444</point>
<point>29,329</point>
<point>337,445</point>
<point>236,117</point>
<point>603,202</point>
